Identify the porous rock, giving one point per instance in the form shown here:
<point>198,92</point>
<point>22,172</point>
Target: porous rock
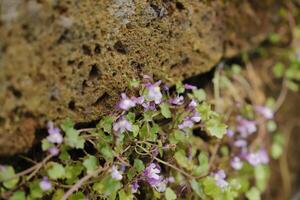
<point>72,59</point>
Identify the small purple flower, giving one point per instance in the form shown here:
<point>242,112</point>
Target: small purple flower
<point>236,163</point>
<point>161,186</point>
<point>151,173</point>
<point>257,158</point>
<point>126,103</point>
<point>54,151</point>
<point>115,174</point>
<point>149,106</point>
<point>165,87</point>
<point>54,134</point>
<point>154,93</point>
<point>138,100</point>
<point>171,179</point>
<point>230,133</point>
<point>266,112</point>
<point>179,100</point>
<point>196,117</point>
<point>240,143</point>
<point>134,187</point>
<point>190,87</point>
<point>122,125</point>
<point>187,123</point>
<point>219,177</point>
<point>193,104</point>
<point>246,127</point>
<point>45,184</point>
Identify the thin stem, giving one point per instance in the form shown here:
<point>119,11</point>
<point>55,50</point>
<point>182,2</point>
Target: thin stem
<point>282,96</point>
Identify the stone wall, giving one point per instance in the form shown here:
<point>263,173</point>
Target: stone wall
<point>73,58</point>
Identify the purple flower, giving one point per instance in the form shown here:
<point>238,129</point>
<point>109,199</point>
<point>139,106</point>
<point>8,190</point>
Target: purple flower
<point>196,117</point>
<point>246,127</point>
<point>219,177</point>
<point>257,158</point>
<point>54,151</point>
<point>115,174</point>
<point>151,173</point>
<point>122,124</point>
<point>240,143</point>
<point>193,104</point>
<point>165,87</point>
<point>236,163</point>
<point>138,100</point>
<point>149,106</point>
<point>134,187</point>
<point>230,133</point>
<point>125,102</point>
<point>266,112</point>
<point>161,186</point>
<point>179,100</point>
<point>171,179</point>
<point>190,87</point>
<point>45,184</point>
<point>187,123</point>
<point>54,134</point>
<point>154,93</point>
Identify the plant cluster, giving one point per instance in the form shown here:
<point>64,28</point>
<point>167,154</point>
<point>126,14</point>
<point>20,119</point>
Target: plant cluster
<point>163,144</point>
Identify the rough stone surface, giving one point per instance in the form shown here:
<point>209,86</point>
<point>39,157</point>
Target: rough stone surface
<point>73,58</point>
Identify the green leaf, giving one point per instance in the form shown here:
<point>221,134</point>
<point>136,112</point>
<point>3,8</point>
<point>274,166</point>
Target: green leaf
<point>205,110</point>
<point>67,124</point>
<point>107,186</point>
<point>107,152</point>
<point>90,163</point>
<point>261,176</point>
<point>125,195</point>
<point>165,110</point>
<point>139,165</point>
<point>215,128</point>
<point>278,70</point>
<point>182,160</point>
<point>56,171</point>
<point>236,69</point>
<point>135,130</point>
<point>6,174</point>
<point>180,88</point>
<point>134,83</point>
<point>197,188</point>
<point>130,117</point>
<point>18,195</point>
<point>292,86</point>
<point>210,187</point>
<point>276,150</point>
<point>73,139</point>
<point>199,94</point>
<point>58,194</point>
<point>72,172</point>
<point>253,194</point>
<point>170,194</point>
<point>271,126</point>
<point>77,196</point>
<point>203,161</point>
<point>64,155</point>
<point>35,190</point>
<point>131,173</point>
<point>46,145</point>
<point>106,123</point>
